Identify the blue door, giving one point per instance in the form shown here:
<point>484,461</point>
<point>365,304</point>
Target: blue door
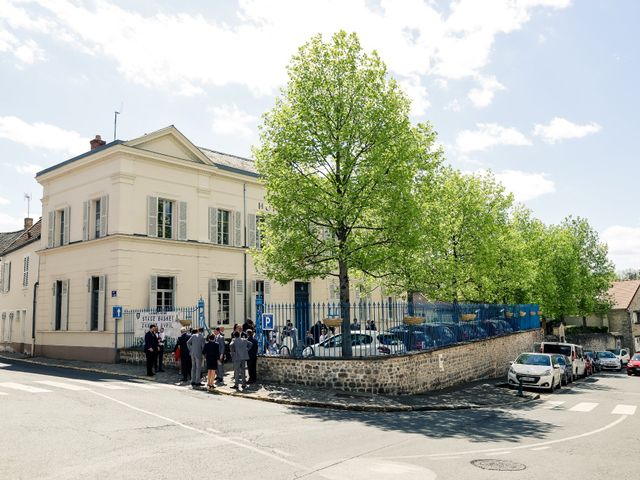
<point>301,309</point>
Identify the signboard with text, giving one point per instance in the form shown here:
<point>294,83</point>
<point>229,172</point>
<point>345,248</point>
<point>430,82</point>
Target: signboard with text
<point>167,320</point>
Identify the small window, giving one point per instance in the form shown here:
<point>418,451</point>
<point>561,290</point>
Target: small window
<point>224,302</point>
<point>165,218</point>
<point>165,294</point>
<point>223,227</point>
<point>96,209</point>
<point>95,301</point>
<point>61,226</point>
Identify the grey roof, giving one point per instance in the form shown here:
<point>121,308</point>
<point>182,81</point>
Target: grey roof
<point>25,237</point>
<point>7,238</point>
<point>78,157</point>
<point>231,163</point>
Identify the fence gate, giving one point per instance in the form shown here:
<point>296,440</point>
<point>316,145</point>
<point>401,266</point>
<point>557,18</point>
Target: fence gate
<point>137,321</point>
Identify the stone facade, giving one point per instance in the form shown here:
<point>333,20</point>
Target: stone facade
<point>595,342</point>
<point>416,372</point>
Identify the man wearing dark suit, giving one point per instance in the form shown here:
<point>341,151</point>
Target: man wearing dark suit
<point>151,349</point>
<point>185,357</point>
<point>253,356</point>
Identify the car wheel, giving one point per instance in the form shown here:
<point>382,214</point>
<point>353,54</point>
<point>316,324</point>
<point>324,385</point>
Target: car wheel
<point>565,380</point>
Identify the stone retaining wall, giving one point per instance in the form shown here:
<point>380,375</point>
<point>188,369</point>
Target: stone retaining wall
<point>594,341</point>
<point>416,372</point>
<point>138,357</point>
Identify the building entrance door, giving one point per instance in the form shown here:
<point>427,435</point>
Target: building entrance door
<point>301,308</point>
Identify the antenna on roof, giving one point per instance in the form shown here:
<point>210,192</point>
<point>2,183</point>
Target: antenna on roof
<point>115,120</point>
<point>28,198</point>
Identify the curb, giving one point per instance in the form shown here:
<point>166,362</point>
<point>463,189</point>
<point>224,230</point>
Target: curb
<point>296,403</point>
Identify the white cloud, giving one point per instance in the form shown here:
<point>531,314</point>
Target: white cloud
<point>624,246</point>
<point>483,96</point>
<point>186,53</point>
<point>417,93</point>
<point>27,51</point>
<point>4,201</point>
<point>453,105</point>
<point>28,169</point>
<point>9,223</point>
<point>42,136</point>
<point>488,135</point>
<point>230,120</point>
<point>525,185</point>
<point>560,129</point>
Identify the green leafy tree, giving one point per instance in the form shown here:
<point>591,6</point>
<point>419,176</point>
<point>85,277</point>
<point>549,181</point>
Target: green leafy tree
<point>339,159</point>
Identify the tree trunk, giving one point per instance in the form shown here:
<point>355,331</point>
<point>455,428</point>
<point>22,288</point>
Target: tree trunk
<point>410,306</point>
<point>345,309</point>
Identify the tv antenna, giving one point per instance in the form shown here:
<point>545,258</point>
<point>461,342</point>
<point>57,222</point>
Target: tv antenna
<point>115,121</point>
<point>28,199</point>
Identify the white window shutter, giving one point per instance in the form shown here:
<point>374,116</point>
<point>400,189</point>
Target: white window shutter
<point>87,323</point>
<point>152,216</point>
<point>25,271</point>
<point>213,301</point>
<point>252,307</point>
<point>1,277</point>
<point>54,292</point>
<point>174,293</point>
<point>238,229</point>
<point>51,229</point>
<point>102,297</point>
<point>153,291</point>
<point>104,215</point>
<point>64,311</point>
<point>267,292</point>
<point>182,220</point>
<point>67,225</point>
<point>7,277</point>
<point>251,229</point>
<point>85,221</point>
<point>213,225</point>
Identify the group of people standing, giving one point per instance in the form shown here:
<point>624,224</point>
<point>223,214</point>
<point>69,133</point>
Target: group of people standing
<point>193,346</point>
<point>154,341</point>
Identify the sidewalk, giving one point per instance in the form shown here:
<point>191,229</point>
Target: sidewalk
<point>479,394</point>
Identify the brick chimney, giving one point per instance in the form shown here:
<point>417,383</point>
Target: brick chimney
<point>97,142</point>
<point>28,223</point>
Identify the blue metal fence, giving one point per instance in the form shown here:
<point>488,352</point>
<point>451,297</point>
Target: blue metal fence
<point>315,330</point>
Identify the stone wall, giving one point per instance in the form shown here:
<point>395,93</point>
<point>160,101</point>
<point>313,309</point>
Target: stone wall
<point>137,357</point>
<point>593,341</point>
<point>416,372</point>
<point>620,322</point>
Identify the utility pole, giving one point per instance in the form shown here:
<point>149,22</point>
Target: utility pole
<point>115,124</point>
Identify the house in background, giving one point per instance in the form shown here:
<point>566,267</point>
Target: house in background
<point>18,286</point>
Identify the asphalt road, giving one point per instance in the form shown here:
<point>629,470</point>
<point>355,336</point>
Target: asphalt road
<point>64,424</point>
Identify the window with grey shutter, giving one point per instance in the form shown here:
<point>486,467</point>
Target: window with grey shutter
<point>65,306</point>
<point>7,277</point>
<point>153,291</point>
<point>251,229</point>
<point>182,220</point>
<point>51,229</point>
<point>213,301</point>
<point>25,271</point>
<point>238,229</point>
<point>54,309</point>
<point>152,216</point>
<point>85,221</point>
<point>104,215</point>
<point>213,225</point>
<point>67,225</point>
<point>267,292</point>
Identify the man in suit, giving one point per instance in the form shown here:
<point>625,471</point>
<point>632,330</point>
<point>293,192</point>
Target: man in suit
<point>253,356</point>
<point>240,354</point>
<point>151,349</point>
<point>196,345</point>
<point>185,357</point>
<point>221,347</point>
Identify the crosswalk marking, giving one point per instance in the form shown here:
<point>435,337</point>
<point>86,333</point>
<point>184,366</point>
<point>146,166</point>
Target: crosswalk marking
<point>106,385</point>
<point>4,365</point>
<point>583,407</point>
<point>24,388</point>
<point>624,410</point>
<point>552,404</point>
<point>66,386</point>
<point>3,393</point>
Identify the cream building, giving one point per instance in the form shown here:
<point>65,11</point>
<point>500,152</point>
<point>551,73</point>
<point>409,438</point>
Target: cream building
<point>18,286</point>
<point>154,222</point>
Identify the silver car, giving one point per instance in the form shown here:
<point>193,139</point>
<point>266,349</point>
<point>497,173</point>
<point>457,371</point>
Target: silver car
<point>608,361</point>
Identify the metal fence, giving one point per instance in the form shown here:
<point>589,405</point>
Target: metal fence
<point>385,328</point>
<point>136,323</point>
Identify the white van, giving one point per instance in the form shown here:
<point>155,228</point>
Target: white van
<point>571,350</point>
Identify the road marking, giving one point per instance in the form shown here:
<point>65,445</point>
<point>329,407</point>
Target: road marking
<point>106,385</point>
<point>24,388</point>
<point>552,404</point>
<point>520,447</point>
<point>145,386</point>
<point>624,410</point>
<point>501,453</point>
<point>540,448</point>
<point>3,393</point>
<point>66,386</point>
<point>583,407</point>
<point>4,365</point>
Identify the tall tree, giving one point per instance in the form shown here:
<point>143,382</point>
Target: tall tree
<point>339,159</point>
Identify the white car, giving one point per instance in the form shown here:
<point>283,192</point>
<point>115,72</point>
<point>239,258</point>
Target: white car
<point>535,370</point>
<point>622,354</point>
<point>363,344</point>
<point>608,361</point>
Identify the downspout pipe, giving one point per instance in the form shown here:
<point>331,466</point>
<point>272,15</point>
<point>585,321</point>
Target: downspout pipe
<point>244,222</point>
<point>33,317</point>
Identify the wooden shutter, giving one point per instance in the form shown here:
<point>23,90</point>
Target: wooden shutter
<point>102,297</point>
<point>213,301</point>
<point>182,220</point>
<point>51,229</point>
<point>238,229</point>
<point>251,229</point>
<point>64,320</point>
<point>67,225</point>
<point>104,215</point>
<point>213,225</point>
<point>54,291</point>
<point>85,221</point>
<point>152,216</point>
<point>153,292</point>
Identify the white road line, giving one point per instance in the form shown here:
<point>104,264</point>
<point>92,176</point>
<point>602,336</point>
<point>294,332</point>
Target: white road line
<point>144,386</point>
<point>583,407</point>
<point>24,388</point>
<point>3,393</point>
<point>520,447</point>
<point>552,404</point>
<point>540,448</point>
<point>501,453</point>
<point>106,385</point>
<point>624,410</point>
<point>66,386</point>
<point>4,365</point>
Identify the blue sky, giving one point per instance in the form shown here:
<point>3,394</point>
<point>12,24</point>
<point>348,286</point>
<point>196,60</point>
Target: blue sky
<point>539,91</point>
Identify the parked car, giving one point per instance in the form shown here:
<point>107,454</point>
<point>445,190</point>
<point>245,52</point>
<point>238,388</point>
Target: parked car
<point>425,336</point>
<point>633,366</point>
<point>595,361</point>
<point>622,354</point>
<point>566,370</point>
<point>495,327</point>
<point>535,370</point>
<point>363,344</point>
<point>570,350</point>
<point>468,331</point>
<point>609,361</point>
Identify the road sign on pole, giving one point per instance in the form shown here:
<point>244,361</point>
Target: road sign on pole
<point>116,311</point>
<point>267,321</point>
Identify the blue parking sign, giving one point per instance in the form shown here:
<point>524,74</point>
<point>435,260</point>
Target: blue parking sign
<point>116,312</point>
<point>267,321</point>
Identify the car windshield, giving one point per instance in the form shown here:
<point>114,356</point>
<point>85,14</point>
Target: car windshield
<point>534,359</point>
<point>553,348</point>
<point>615,351</point>
<point>606,355</point>
<point>636,357</point>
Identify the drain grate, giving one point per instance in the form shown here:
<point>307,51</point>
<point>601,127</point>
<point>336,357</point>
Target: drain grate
<point>498,465</point>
